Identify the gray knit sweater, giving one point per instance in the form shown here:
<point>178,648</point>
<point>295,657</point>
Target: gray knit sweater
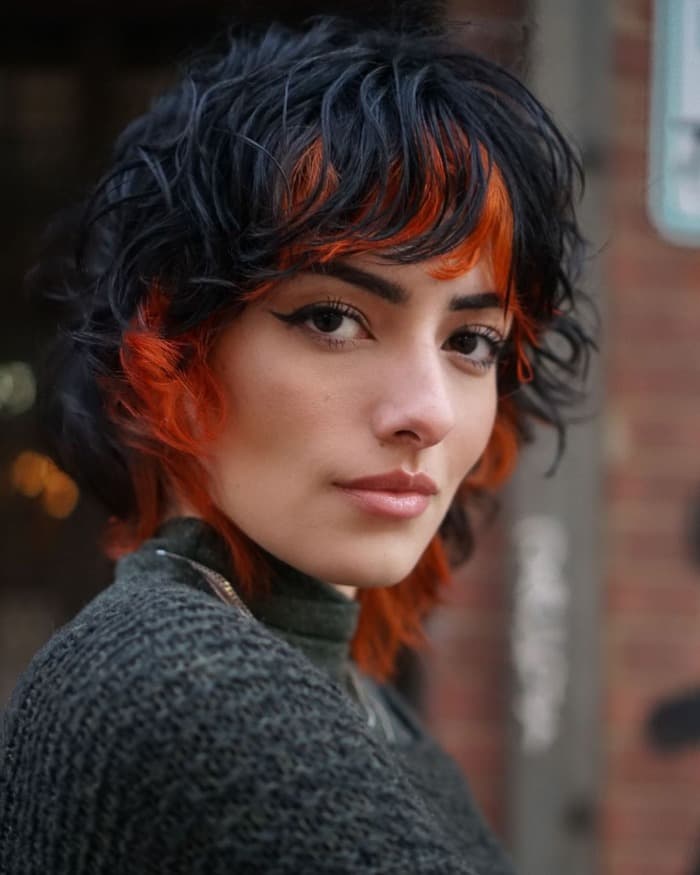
<point>163,731</point>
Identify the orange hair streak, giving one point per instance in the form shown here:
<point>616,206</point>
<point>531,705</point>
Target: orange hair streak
<point>164,380</point>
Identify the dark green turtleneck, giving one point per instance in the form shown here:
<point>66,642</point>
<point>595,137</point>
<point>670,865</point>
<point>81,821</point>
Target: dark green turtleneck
<point>163,730</point>
<point>307,613</point>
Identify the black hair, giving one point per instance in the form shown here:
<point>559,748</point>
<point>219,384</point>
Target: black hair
<point>200,198</point>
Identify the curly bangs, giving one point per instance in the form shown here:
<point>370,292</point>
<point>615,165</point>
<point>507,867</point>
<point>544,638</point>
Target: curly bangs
<point>286,151</point>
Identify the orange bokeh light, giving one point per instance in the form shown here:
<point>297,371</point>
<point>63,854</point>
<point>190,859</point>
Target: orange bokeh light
<point>36,476</point>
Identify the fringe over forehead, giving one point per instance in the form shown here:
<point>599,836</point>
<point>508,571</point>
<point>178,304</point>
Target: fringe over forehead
<point>296,142</point>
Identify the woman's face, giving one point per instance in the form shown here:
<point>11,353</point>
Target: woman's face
<point>359,400</point>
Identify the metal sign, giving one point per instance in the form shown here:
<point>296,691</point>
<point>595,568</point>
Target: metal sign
<point>674,136</point>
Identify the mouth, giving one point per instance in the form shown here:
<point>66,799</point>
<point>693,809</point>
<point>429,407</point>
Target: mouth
<point>397,494</point>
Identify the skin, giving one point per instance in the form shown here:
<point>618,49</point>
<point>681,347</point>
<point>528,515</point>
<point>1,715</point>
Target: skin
<point>320,396</point>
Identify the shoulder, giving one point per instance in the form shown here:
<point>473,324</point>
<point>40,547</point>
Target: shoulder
<point>149,642</point>
<point>165,730</point>
<point>157,697</point>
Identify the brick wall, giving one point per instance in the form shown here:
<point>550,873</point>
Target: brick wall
<point>651,801</point>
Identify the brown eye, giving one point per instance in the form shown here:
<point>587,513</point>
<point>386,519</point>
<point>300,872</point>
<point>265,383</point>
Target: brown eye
<point>327,320</point>
<point>334,321</point>
<point>465,343</point>
<point>331,321</point>
<point>479,345</point>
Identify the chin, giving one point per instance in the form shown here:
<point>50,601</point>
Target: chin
<point>369,572</point>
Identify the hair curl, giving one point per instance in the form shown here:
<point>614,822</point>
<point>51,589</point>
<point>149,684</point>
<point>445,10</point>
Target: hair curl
<point>282,152</point>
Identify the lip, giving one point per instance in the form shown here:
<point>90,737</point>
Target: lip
<point>396,494</point>
<point>394,481</point>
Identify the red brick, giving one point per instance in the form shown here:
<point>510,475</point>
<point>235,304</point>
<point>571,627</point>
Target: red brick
<point>485,597</point>
<point>641,765</point>
<point>674,653</point>
<point>665,434</point>
<point>475,749</point>
<point>639,516</point>
<point>476,701</point>
<point>649,325</point>
<point>665,597</point>
<point>629,161</point>
<point>648,858</point>
<point>644,818</point>
<point>677,382</point>
<point>648,544</point>
<point>625,481</point>
<point>632,58</point>
<point>632,16</point>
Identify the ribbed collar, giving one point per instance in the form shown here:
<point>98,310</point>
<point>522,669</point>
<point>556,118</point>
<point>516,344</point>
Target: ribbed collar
<point>306,612</point>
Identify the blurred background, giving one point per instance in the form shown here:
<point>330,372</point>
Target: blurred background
<point>564,672</point>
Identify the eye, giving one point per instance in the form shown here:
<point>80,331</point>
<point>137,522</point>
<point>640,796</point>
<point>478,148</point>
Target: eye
<point>479,345</point>
<point>332,322</point>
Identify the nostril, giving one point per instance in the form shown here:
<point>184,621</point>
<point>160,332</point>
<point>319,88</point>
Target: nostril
<point>409,434</point>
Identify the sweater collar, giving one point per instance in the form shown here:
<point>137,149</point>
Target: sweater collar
<point>306,612</point>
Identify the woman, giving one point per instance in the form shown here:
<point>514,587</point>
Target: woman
<point>311,312</point>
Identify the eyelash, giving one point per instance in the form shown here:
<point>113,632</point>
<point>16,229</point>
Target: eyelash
<point>495,341</point>
<point>298,317</point>
<point>332,305</point>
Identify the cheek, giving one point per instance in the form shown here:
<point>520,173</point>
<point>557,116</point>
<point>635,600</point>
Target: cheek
<point>471,436</point>
<point>282,404</point>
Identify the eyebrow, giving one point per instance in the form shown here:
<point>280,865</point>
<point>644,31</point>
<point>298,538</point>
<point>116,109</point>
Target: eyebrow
<point>395,293</point>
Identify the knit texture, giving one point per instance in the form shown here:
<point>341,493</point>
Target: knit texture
<point>163,731</point>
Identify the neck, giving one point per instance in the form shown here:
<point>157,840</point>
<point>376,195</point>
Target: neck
<point>314,616</point>
<point>182,509</point>
<point>348,591</point>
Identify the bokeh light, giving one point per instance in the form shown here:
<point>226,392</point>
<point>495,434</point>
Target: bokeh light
<point>37,476</point>
<point>17,388</point>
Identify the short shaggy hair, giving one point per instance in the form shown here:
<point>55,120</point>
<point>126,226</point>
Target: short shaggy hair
<point>282,152</point>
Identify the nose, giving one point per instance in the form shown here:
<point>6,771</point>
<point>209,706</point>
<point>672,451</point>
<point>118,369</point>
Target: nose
<point>414,406</point>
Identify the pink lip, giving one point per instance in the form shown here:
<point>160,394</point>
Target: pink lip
<point>395,494</point>
<point>394,481</point>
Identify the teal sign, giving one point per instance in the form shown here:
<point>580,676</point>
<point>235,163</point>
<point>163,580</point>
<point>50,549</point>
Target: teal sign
<point>674,142</point>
